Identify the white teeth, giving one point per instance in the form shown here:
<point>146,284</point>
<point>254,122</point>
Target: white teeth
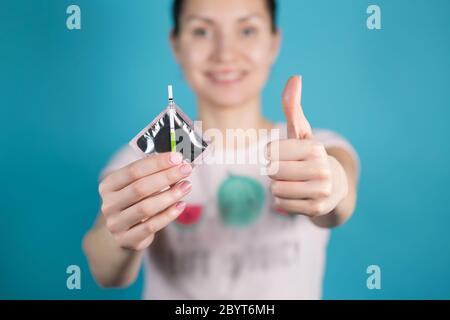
<point>229,76</point>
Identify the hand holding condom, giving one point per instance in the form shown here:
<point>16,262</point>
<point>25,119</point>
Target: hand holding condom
<point>145,196</point>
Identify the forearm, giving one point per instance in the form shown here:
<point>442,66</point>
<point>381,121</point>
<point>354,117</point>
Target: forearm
<point>111,265</point>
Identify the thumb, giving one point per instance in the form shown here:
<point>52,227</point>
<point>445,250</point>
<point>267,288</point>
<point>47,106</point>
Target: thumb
<point>298,126</point>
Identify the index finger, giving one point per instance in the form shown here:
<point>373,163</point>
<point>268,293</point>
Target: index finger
<point>288,149</point>
<point>121,178</point>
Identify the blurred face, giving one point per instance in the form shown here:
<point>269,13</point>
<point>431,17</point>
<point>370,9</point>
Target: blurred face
<point>226,48</point>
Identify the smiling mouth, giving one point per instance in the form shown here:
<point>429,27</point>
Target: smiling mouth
<point>226,77</point>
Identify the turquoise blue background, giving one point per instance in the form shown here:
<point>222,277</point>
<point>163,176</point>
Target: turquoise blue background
<point>69,99</point>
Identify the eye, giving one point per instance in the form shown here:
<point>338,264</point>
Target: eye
<point>200,32</point>
<point>249,31</point>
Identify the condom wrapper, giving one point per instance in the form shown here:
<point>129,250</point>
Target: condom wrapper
<point>156,137</point>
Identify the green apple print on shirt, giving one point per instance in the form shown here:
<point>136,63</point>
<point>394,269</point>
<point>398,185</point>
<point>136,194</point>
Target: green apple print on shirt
<point>241,200</point>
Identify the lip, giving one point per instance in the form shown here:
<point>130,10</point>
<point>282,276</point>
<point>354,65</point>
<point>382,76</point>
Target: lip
<point>226,77</point>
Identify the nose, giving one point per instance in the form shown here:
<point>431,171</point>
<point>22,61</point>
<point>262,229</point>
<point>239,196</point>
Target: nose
<point>225,49</point>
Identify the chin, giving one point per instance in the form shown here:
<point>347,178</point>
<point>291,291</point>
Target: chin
<point>228,94</point>
<point>228,100</point>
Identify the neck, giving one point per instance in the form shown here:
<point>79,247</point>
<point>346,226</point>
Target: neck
<point>245,116</point>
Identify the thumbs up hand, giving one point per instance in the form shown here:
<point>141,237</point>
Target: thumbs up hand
<point>305,179</point>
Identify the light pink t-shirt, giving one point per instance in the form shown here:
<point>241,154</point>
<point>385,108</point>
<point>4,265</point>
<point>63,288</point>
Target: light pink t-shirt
<point>231,242</point>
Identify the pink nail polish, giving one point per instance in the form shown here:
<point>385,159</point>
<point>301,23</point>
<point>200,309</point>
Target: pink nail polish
<point>185,169</point>
<point>185,186</point>
<point>180,206</point>
<point>175,157</point>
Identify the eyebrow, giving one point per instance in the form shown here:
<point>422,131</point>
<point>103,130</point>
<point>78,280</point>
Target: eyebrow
<point>204,19</point>
<point>211,21</point>
<point>250,16</point>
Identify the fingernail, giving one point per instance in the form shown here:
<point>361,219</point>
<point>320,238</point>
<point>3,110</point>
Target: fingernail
<point>175,157</point>
<point>180,206</point>
<point>185,169</point>
<point>185,186</point>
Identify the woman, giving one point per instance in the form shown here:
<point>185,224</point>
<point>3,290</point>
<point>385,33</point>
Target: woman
<point>226,230</point>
